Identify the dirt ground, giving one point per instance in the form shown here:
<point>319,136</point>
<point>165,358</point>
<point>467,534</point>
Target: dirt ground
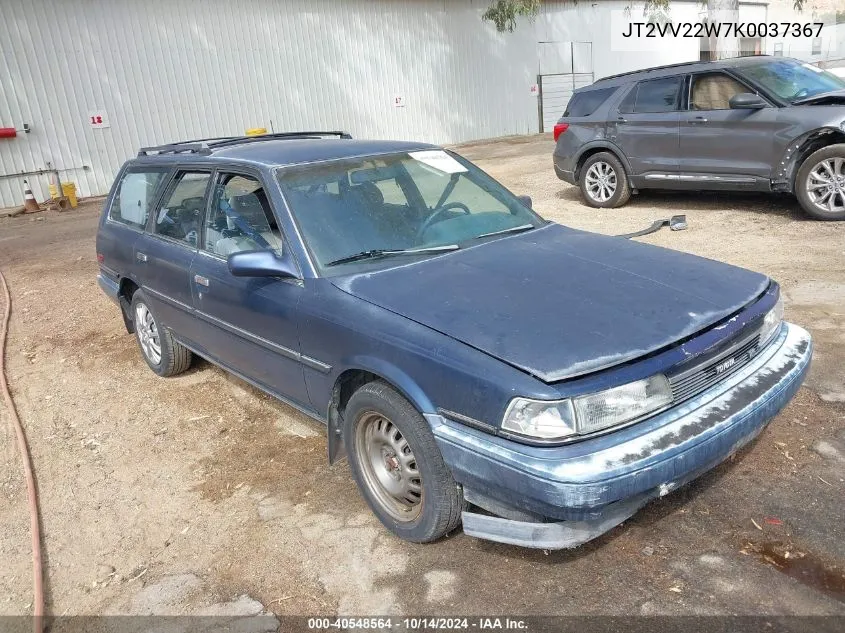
<point>199,494</point>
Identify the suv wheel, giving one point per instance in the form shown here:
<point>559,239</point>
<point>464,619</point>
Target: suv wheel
<point>603,181</point>
<point>820,183</point>
<point>163,354</point>
<point>397,465</point>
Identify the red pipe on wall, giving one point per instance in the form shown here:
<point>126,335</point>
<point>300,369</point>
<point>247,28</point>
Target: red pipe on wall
<point>8,132</point>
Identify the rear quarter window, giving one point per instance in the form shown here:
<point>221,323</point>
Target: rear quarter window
<point>585,103</point>
<point>135,196</point>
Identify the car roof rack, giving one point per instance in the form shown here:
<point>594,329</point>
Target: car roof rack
<point>205,145</point>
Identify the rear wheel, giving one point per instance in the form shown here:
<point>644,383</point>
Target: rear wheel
<point>397,465</point>
<point>164,355</point>
<point>820,183</point>
<point>603,181</point>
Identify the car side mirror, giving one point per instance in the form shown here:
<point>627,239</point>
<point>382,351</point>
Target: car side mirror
<point>747,101</point>
<point>261,264</point>
<point>526,201</point>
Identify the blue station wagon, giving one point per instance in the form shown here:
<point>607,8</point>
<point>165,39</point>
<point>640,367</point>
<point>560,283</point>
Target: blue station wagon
<point>475,363</point>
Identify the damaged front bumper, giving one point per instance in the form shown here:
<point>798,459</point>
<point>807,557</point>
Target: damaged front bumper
<point>563,496</point>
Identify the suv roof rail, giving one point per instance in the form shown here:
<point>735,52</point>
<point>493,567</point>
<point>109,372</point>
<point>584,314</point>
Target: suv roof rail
<point>678,65</point>
<point>205,145</point>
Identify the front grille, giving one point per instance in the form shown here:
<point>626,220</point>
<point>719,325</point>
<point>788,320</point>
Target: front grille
<point>693,381</point>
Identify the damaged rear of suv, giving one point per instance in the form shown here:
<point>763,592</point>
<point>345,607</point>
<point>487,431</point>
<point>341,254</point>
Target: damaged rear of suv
<point>748,124</point>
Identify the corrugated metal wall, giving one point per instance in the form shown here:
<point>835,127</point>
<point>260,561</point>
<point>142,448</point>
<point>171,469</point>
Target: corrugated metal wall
<point>164,70</point>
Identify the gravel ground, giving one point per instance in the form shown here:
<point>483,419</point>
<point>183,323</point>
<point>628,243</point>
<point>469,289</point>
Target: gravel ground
<point>198,493</point>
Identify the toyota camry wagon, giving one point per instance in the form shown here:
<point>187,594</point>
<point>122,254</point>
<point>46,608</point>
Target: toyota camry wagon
<point>475,363</point>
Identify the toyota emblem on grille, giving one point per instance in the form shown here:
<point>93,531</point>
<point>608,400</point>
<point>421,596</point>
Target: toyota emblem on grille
<point>726,365</point>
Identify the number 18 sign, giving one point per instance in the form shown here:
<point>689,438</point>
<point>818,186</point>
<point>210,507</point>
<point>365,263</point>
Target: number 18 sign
<point>98,119</point>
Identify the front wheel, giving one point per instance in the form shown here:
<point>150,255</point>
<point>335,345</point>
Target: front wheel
<point>398,467</point>
<point>603,181</point>
<point>820,183</point>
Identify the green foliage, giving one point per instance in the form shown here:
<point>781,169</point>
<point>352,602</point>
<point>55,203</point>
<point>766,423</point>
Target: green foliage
<point>503,13</point>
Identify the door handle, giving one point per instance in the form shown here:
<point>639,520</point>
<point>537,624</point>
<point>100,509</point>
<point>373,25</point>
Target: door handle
<point>141,257</point>
<point>202,281</point>
<point>699,120</point>
<point>620,120</point>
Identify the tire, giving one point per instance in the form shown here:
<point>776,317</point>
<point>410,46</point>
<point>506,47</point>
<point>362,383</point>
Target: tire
<point>596,167</point>
<point>165,356</point>
<point>424,502</point>
<point>813,194</point>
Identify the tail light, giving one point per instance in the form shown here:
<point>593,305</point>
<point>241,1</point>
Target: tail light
<point>100,258</point>
<point>560,128</point>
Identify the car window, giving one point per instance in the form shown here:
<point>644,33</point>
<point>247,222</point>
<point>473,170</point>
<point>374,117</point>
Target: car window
<point>658,95</point>
<point>713,91</point>
<point>790,79</point>
<point>181,210</point>
<point>464,194</point>
<point>240,218</point>
<point>627,104</point>
<point>135,195</point>
<point>585,103</point>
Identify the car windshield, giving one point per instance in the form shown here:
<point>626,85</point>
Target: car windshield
<point>403,206</point>
<point>792,80</point>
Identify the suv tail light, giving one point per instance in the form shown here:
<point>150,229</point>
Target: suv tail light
<point>560,128</point>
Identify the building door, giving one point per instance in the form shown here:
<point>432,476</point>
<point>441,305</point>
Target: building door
<point>564,67</point>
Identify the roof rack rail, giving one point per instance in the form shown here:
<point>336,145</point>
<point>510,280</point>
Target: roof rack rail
<point>236,140</point>
<point>205,145</point>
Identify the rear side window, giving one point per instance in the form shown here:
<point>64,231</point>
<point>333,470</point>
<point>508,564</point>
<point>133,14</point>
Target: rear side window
<point>585,103</point>
<point>135,196</point>
<point>654,95</point>
<point>181,211</point>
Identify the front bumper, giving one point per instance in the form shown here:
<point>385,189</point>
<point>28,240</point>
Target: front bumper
<point>596,484</point>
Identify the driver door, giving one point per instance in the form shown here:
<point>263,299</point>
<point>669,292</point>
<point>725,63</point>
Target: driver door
<point>250,325</point>
<point>721,147</point>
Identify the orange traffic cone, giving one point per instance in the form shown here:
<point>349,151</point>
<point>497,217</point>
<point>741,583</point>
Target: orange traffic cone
<point>30,204</point>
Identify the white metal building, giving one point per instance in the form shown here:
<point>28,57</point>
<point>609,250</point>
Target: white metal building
<point>96,79</point>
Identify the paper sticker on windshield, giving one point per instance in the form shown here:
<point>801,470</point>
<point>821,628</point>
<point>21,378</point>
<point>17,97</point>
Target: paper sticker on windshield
<point>438,159</point>
<point>813,68</point>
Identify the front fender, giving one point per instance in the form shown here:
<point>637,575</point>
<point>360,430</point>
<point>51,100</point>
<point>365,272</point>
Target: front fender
<point>797,150</point>
<point>397,378</point>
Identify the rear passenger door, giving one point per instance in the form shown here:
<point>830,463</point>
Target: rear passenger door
<point>134,197</point>
<point>247,324</point>
<point>646,127</point>
<point>164,254</point>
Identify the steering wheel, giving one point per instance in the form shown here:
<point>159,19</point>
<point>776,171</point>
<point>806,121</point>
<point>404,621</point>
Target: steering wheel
<point>435,216</point>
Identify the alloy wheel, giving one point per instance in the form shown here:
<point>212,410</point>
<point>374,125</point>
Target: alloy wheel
<point>601,181</point>
<point>825,185</point>
<point>147,330</point>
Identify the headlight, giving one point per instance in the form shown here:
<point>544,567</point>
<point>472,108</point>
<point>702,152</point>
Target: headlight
<point>559,419</point>
<point>771,322</point>
<point>541,419</point>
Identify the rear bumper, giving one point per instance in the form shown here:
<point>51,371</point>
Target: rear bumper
<point>598,483</point>
<point>110,287</point>
<point>566,175</point>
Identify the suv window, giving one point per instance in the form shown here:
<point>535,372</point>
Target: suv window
<point>585,103</point>
<point>240,218</point>
<point>180,213</point>
<point>713,91</point>
<point>654,95</point>
<point>135,195</point>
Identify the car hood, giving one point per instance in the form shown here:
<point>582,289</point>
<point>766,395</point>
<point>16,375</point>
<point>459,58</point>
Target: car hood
<point>559,303</point>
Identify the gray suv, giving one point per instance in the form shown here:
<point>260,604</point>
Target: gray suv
<point>753,123</point>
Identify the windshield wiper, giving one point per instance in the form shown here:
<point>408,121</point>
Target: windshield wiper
<point>378,253</point>
<point>513,229</point>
